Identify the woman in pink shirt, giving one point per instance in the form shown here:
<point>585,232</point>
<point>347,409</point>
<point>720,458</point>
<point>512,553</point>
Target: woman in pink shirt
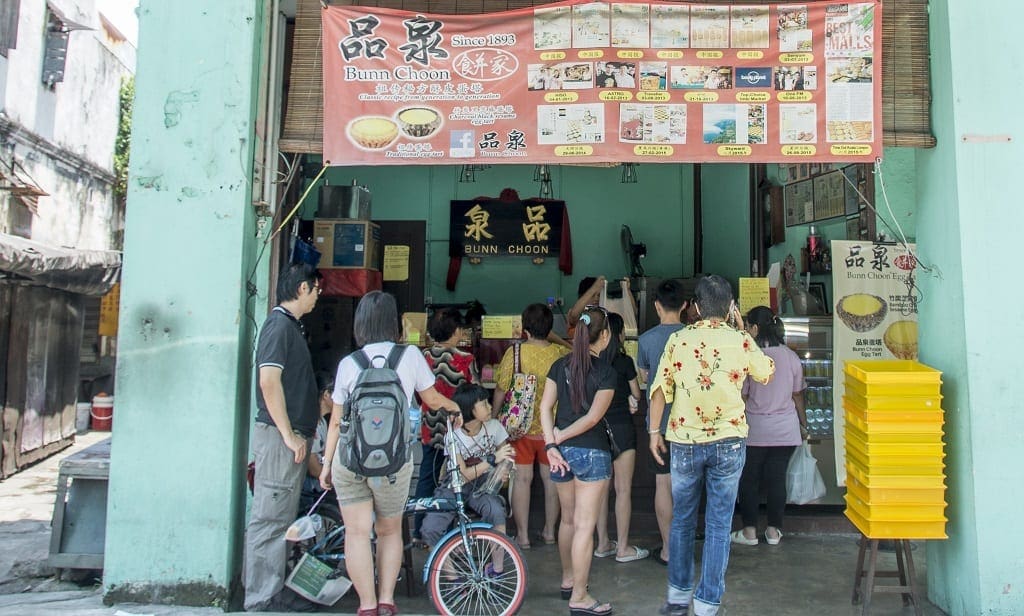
<point>775,416</point>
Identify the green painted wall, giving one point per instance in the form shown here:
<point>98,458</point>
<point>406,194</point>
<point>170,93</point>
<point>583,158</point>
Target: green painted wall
<point>968,236</point>
<point>896,180</point>
<point>184,370</point>
<point>658,209</point>
<point>725,209</point>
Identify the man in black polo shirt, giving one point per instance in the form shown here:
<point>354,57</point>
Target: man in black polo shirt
<point>286,396</point>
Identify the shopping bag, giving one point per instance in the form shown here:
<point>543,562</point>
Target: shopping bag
<point>804,483</point>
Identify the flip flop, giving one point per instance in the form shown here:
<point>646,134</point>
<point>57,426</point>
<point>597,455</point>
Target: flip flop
<point>594,609</point>
<point>540,538</point>
<point>608,552</point>
<point>639,553</point>
<point>522,546</point>
<point>737,536</point>
<point>658,559</point>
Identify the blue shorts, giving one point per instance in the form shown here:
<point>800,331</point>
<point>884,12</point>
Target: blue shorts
<point>585,464</point>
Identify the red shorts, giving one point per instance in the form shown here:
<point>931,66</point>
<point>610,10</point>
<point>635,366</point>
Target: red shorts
<point>530,449</point>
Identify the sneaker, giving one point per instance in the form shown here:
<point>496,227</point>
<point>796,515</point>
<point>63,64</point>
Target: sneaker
<point>674,609</point>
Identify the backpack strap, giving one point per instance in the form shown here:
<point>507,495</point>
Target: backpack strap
<point>516,362</point>
<point>362,359</point>
<point>395,356</point>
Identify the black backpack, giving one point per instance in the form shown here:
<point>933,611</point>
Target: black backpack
<point>375,428</point>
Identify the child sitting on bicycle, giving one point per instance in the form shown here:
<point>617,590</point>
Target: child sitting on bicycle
<point>482,444</point>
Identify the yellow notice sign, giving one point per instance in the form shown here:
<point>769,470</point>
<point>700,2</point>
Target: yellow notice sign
<point>502,327</point>
<point>109,311</point>
<point>754,292</point>
<point>396,263</point>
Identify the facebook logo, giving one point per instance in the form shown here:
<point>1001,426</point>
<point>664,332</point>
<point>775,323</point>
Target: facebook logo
<point>463,144</point>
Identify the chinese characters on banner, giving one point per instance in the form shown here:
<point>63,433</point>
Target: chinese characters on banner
<point>875,315</point>
<point>494,228</point>
<point>579,82</point>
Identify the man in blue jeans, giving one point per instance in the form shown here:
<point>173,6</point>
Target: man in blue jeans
<point>701,376</point>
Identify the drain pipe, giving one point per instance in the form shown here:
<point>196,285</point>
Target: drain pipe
<point>273,109</point>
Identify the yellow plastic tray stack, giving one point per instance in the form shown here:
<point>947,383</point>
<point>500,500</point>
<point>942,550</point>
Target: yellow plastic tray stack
<point>895,480</point>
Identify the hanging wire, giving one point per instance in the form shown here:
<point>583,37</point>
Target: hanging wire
<point>302,200</point>
<point>913,290</point>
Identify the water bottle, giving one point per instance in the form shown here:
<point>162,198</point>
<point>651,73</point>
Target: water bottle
<point>495,479</point>
<point>415,415</point>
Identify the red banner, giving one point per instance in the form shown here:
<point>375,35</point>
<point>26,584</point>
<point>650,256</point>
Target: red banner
<point>586,82</point>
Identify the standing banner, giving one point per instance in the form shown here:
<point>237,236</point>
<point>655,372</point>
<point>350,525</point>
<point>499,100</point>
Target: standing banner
<point>875,315</point>
<point>598,82</point>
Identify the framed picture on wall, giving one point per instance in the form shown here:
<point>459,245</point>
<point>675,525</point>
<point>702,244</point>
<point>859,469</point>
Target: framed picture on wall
<point>817,291</point>
<point>799,199</point>
<point>853,200</point>
<point>853,228</point>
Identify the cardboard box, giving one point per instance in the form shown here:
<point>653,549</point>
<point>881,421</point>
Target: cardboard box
<point>348,244</point>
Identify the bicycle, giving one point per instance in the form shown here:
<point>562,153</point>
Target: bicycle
<point>460,571</point>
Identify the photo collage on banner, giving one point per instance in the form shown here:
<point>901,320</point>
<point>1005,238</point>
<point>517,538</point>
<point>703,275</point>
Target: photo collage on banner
<point>578,82</point>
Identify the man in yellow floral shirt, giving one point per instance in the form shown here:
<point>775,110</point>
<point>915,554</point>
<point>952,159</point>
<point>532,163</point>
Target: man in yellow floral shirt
<point>701,376</point>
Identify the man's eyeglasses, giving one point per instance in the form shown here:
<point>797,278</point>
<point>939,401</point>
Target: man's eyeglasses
<point>315,288</point>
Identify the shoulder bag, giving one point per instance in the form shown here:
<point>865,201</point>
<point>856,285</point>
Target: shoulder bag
<point>516,413</point>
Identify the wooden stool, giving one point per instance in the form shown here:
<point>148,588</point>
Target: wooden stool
<point>905,574</point>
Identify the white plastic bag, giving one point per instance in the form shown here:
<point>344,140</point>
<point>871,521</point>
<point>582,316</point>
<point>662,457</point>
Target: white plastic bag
<point>804,483</point>
<point>625,306</point>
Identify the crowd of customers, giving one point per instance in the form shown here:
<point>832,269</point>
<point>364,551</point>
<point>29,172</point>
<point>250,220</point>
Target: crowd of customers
<point>724,412</point>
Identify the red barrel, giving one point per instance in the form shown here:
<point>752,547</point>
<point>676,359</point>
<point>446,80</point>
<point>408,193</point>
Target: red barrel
<point>102,412</point>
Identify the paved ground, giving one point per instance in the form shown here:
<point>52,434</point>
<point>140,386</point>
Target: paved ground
<point>808,574</point>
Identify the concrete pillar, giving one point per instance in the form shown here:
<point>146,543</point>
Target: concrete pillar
<point>177,498</point>
<point>969,239</point>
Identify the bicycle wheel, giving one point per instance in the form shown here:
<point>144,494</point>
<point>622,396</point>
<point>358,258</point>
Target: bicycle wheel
<point>461,586</point>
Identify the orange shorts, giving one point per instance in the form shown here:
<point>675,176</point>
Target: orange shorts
<point>530,449</point>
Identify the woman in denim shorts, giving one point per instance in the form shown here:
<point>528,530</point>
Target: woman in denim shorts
<point>579,451</point>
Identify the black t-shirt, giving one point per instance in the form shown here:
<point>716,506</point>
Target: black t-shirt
<point>281,344</point>
<point>625,372</point>
<point>601,376</point>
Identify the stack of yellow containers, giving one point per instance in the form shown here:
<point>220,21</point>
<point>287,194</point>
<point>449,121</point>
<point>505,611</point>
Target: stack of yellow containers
<point>895,484</point>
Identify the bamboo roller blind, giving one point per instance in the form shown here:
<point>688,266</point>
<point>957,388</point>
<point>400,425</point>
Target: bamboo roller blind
<point>906,84</point>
